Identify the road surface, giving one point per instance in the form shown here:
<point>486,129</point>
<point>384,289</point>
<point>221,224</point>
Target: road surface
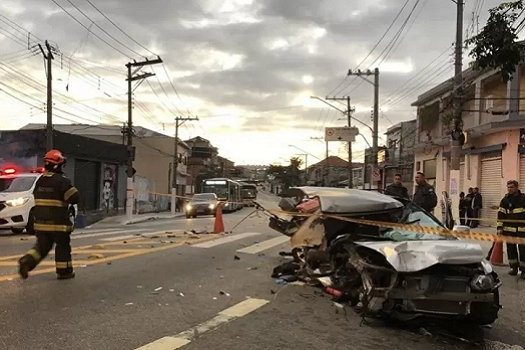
<point>149,286</point>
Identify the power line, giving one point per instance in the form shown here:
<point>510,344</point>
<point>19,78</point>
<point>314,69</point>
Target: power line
<point>102,29</point>
<point>94,34</point>
<point>122,31</point>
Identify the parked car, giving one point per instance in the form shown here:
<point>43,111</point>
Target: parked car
<point>201,204</point>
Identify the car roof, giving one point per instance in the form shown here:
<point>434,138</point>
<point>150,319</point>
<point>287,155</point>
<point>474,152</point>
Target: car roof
<point>12,176</point>
<point>343,200</point>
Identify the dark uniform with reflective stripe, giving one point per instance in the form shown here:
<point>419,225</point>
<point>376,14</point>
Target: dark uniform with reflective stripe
<point>512,207</point>
<point>53,194</point>
<point>397,191</point>
<point>425,197</point>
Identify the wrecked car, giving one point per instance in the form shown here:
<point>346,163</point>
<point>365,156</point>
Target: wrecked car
<point>390,272</point>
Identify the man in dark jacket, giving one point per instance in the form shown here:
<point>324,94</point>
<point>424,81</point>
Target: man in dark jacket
<point>476,205</point>
<point>53,194</point>
<point>396,189</point>
<point>511,222</point>
<point>424,196</point>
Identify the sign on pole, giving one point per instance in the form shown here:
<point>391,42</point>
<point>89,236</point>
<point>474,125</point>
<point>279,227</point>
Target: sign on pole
<point>344,134</point>
<point>376,175</point>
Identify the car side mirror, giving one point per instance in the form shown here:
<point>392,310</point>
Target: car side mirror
<point>461,229</point>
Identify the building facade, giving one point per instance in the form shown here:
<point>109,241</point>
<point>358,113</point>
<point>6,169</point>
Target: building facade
<point>97,168</point>
<point>492,124</point>
<point>202,159</point>
<point>153,153</point>
<point>399,153</point>
<point>331,172</point>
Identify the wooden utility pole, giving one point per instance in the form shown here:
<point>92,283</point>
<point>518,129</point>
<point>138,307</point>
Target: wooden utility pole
<point>457,123</point>
<point>174,191</point>
<point>49,64</point>
<point>349,111</point>
<point>131,77</point>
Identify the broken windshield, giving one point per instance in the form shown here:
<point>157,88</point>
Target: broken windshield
<point>414,216</point>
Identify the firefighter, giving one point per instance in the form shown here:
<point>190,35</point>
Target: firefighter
<point>512,207</point>
<point>53,194</point>
<point>424,196</point>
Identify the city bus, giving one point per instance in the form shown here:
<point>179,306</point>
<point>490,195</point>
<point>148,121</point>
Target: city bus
<point>226,190</point>
<point>249,194</point>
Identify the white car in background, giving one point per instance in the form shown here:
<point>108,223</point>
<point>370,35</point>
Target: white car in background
<point>17,201</point>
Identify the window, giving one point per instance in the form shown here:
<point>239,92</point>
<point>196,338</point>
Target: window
<point>429,168</point>
<point>418,166</point>
<point>489,102</point>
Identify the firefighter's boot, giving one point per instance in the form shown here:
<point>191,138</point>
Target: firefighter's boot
<point>66,276</point>
<point>26,264</point>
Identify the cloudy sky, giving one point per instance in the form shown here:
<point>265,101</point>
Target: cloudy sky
<point>246,68</point>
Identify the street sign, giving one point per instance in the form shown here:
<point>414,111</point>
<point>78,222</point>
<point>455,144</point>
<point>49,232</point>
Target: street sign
<point>376,175</point>
<point>344,134</point>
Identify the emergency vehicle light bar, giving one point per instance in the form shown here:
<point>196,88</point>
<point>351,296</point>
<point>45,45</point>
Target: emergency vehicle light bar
<point>9,171</point>
<point>39,169</point>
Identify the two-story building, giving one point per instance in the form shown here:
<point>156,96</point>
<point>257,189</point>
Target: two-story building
<point>492,120</point>
<point>399,153</point>
<point>333,168</point>
<point>202,158</point>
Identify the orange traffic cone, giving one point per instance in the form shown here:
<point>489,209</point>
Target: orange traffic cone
<point>218,227</point>
<point>496,258</point>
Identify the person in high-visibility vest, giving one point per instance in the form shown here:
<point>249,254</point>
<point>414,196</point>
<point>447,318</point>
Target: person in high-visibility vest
<point>53,194</point>
<point>511,222</point>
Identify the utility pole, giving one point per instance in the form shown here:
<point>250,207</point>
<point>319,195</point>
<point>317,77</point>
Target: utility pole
<point>375,129</point>
<point>131,77</point>
<point>174,190</point>
<point>349,112</point>
<point>457,123</point>
<point>49,124</point>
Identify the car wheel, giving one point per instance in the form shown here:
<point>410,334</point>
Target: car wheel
<point>30,227</point>
<point>17,230</point>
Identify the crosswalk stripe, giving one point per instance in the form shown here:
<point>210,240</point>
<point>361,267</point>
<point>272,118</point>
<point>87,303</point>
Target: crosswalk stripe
<point>138,234</point>
<point>264,245</point>
<point>227,239</point>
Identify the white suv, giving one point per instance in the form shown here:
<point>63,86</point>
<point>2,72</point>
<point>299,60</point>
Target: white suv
<point>17,202</point>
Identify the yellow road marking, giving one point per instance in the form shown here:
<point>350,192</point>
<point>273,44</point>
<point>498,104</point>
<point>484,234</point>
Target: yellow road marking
<point>133,253</point>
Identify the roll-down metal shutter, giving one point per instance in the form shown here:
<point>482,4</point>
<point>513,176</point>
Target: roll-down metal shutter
<point>462,178</point>
<point>522,171</point>
<point>490,188</point>
<point>87,177</point>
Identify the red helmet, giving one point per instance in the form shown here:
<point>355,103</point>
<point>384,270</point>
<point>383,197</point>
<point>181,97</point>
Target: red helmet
<point>54,157</point>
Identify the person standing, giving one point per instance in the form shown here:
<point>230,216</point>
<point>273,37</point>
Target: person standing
<point>476,206</point>
<point>468,205</point>
<point>462,208</point>
<point>53,194</point>
<point>396,189</point>
<point>424,196</point>
<point>511,222</point>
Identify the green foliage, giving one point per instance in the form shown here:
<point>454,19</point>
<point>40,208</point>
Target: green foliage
<point>496,46</point>
<point>288,175</point>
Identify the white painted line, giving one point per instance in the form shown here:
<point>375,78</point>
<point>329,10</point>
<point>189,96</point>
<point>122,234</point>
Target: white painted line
<point>138,234</point>
<point>184,338</point>
<point>264,245</point>
<point>78,233</point>
<point>98,234</point>
<point>227,239</point>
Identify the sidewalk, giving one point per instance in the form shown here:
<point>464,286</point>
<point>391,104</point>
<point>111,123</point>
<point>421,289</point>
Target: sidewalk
<point>137,218</point>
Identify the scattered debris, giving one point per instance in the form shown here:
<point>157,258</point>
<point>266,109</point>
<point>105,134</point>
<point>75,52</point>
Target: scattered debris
<point>127,304</point>
<point>272,291</point>
<point>83,265</point>
<point>214,298</point>
<point>181,294</point>
<point>256,241</point>
<point>224,293</point>
<point>339,306</point>
<point>252,268</point>
<point>125,242</point>
<point>334,292</point>
<point>24,239</point>
<point>424,332</point>
<point>285,254</point>
<point>221,276</point>
<point>95,256</point>
<point>172,290</point>
<point>325,281</point>
<point>281,282</point>
<point>153,237</point>
<point>171,236</point>
<point>288,268</point>
<point>289,278</point>
<point>108,263</point>
<point>139,287</point>
<point>153,292</point>
<point>236,258</point>
<point>158,289</point>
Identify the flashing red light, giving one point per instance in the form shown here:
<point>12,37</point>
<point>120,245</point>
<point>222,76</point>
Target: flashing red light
<point>9,171</point>
<point>40,169</point>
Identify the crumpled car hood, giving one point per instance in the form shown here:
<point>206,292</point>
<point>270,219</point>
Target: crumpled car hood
<point>413,256</point>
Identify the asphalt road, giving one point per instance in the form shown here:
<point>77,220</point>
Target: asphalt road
<point>197,287</point>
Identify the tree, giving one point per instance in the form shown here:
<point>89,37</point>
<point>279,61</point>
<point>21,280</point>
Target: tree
<point>289,175</point>
<point>496,46</point>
